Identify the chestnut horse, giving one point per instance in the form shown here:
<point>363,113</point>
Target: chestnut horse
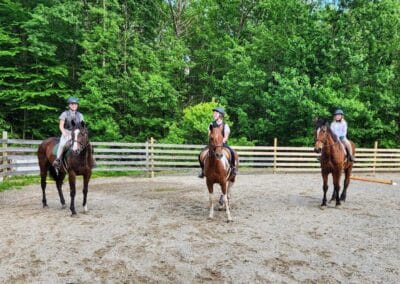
<point>77,161</point>
<point>217,169</point>
<point>333,160</point>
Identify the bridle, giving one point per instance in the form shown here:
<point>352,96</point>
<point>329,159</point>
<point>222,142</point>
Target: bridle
<point>213,150</point>
<point>81,144</point>
<point>324,141</point>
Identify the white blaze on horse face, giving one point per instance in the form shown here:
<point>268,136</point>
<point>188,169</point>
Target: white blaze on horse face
<point>75,142</point>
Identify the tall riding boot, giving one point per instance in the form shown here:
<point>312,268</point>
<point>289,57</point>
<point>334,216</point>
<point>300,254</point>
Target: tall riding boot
<point>350,157</point>
<point>233,170</point>
<point>57,163</point>
<point>201,174</point>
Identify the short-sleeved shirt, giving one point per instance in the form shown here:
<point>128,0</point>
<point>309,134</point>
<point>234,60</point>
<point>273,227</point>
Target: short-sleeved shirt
<point>69,116</point>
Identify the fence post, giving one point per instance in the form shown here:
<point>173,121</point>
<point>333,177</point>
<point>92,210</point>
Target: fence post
<point>4,159</point>
<point>375,156</point>
<point>275,153</point>
<point>147,158</point>
<point>152,157</point>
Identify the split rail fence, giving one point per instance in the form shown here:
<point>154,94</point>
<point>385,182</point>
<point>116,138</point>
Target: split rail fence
<point>18,157</point>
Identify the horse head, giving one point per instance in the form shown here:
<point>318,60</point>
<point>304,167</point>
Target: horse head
<point>320,135</point>
<point>215,143</point>
<point>80,138</point>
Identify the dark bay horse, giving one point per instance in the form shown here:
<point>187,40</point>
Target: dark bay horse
<point>333,160</point>
<point>77,161</point>
<point>217,169</point>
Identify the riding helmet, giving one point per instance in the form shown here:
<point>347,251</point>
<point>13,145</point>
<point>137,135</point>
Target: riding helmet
<point>220,110</point>
<point>338,111</point>
<point>72,100</point>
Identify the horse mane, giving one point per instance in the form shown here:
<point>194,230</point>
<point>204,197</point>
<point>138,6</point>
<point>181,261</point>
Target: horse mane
<point>319,122</point>
<point>334,136</point>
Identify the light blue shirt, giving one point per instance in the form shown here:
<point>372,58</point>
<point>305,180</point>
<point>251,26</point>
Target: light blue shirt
<point>339,129</point>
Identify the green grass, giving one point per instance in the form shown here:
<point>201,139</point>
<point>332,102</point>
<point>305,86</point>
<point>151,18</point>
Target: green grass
<point>18,182</point>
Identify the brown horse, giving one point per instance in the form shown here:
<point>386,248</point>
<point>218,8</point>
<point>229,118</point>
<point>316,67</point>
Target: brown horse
<point>333,160</point>
<point>217,169</point>
<point>77,161</point>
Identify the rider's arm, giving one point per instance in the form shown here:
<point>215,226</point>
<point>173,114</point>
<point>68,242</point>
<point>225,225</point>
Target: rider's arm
<point>61,126</point>
<point>227,132</point>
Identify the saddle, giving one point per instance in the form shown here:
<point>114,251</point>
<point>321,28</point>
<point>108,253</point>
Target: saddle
<point>227,155</point>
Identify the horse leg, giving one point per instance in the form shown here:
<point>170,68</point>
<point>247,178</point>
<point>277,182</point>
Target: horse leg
<point>347,173</point>
<point>86,178</point>
<point>324,188</point>
<point>224,192</point>
<point>72,179</point>
<point>43,183</point>
<point>59,183</point>
<point>336,186</point>
<point>210,198</point>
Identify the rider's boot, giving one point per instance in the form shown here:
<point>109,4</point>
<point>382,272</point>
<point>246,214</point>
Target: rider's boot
<point>57,163</point>
<point>233,171</point>
<point>201,174</point>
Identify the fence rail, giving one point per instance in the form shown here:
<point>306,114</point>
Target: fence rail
<point>18,157</point>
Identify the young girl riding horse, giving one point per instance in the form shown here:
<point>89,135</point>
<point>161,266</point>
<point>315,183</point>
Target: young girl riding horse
<point>339,128</point>
<point>218,115</point>
<point>67,119</point>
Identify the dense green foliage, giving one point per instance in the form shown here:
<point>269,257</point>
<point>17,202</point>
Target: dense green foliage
<point>156,68</point>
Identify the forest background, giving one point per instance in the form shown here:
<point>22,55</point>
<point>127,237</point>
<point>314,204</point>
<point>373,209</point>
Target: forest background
<point>156,68</point>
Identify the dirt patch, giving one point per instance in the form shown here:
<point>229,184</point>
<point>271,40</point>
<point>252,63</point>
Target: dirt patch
<point>156,230</point>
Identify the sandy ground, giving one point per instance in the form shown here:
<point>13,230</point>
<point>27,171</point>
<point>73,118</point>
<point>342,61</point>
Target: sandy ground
<point>141,230</point>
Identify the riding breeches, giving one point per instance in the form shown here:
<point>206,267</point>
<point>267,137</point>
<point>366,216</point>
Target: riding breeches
<point>347,145</point>
<point>63,140</point>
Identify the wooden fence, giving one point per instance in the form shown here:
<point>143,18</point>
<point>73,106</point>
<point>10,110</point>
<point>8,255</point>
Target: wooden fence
<point>18,157</point>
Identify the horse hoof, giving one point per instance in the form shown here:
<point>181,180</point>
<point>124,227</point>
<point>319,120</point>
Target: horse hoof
<point>46,206</point>
<point>63,206</point>
<point>229,221</point>
<point>73,214</point>
<point>322,207</point>
<point>339,206</point>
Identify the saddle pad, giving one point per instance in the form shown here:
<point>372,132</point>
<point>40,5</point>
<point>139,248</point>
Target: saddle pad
<point>66,153</point>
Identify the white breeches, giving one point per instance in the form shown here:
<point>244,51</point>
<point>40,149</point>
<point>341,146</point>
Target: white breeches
<point>63,140</point>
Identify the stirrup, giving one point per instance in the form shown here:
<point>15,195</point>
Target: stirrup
<point>57,164</point>
<point>233,171</point>
<point>201,175</point>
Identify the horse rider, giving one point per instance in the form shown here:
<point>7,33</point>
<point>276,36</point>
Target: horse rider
<point>339,128</point>
<point>66,118</point>
<point>218,115</point>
